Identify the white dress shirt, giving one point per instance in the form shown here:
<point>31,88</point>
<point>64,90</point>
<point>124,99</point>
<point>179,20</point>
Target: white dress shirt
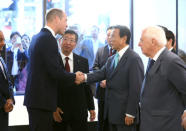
<point>70,61</point>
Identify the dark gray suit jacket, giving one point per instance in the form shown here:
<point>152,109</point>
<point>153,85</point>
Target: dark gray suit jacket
<point>101,58</point>
<point>164,95</point>
<point>123,86</point>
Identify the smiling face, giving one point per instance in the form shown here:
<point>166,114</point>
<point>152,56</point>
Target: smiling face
<point>62,24</point>
<point>68,43</point>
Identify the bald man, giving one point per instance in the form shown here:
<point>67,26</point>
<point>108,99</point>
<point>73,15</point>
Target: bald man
<point>45,71</point>
<point>163,94</point>
<point>6,90</point>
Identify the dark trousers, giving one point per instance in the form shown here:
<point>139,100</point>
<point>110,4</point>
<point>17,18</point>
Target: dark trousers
<point>101,115</point>
<point>74,125</point>
<point>3,120</point>
<point>40,120</point>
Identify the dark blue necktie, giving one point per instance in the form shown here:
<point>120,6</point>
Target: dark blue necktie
<point>150,64</point>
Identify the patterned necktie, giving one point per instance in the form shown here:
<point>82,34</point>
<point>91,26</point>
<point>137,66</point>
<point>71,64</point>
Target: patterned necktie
<point>67,67</point>
<point>150,64</point>
<point>116,59</point>
<point>2,66</point>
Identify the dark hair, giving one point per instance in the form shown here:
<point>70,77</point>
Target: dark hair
<point>110,27</point>
<point>124,31</point>
<point>72,32</point>
<point>170,35</point>
<point>164,28</point>
<point>25,35</point>
<point>14,33</point>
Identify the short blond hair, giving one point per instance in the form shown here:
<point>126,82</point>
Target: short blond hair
<point>52,13</point>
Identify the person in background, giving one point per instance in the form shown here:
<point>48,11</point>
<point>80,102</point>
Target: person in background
<point>102,55</point>
<point>6,90</point>
<point>16,58</point>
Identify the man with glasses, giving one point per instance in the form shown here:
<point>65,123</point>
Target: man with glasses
<point>73,100</point>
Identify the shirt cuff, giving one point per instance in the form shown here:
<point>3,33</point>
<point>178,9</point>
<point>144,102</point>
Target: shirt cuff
<point>130,115</point>
<point>85,77</point>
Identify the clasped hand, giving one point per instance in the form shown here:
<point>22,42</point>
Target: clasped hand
<point>80,77</point>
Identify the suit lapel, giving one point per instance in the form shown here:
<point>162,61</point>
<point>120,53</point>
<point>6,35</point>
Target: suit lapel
<point>76,63</point>
<point>156,65</point>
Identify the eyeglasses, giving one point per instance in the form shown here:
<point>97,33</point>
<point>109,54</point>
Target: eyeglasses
<point>69,40</point>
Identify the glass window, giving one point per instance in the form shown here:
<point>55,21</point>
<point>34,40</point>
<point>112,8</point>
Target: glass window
<point>155,12</point>
<point>181,25</point>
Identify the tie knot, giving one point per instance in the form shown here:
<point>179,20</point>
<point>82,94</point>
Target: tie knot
<point>66,58</point>
<point>151,63</point>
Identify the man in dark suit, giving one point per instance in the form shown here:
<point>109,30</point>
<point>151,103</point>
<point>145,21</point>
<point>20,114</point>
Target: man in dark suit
<point>44,72</point>
<point>102,55</point>
<point>124,74</point>
<point>6,91</point>
<point>74,101</point>
<point>163,94</point>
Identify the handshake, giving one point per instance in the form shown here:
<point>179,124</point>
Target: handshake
<point>80,77</point>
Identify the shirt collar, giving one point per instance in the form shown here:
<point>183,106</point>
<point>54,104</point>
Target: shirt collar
<point>70,56</point>
<point>122,51</point>
<point>50,29</point>
<point>158,54</point>
<point>171,49</point>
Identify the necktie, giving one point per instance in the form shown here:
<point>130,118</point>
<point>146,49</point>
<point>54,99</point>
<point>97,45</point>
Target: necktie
<point>150,64</point>
<point>110,52</point>
<point>2,66</point>
<point>116,59</point>
<point>67,67</point>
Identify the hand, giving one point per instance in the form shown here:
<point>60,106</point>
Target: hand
<point>92,115</point>
<point>8,107</point>
<point>103,84</point>
<point>184,120</point>
<point>80,78</point>
<point>57,115</point>
<point>129,120</point>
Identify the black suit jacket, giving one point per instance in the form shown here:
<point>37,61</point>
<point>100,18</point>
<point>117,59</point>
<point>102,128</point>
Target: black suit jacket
<point>76,100</point>
<point>6,90</point>
<point>44,72</point>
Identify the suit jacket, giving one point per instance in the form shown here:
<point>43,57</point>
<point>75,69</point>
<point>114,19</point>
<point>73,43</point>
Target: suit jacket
<point>174,51</point>
<point>164,96</point>
<point>101,58</point>
<point>6,89</point>
<point>44,72</point>
<point>87,51</point>
<point>123,85</point>
<point>76,100</point>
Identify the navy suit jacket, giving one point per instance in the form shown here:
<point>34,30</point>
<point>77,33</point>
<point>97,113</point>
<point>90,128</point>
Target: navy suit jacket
<point>44,72</point>
<point>76,100</point>
<point>164,96</point>
<point>123,85</point>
